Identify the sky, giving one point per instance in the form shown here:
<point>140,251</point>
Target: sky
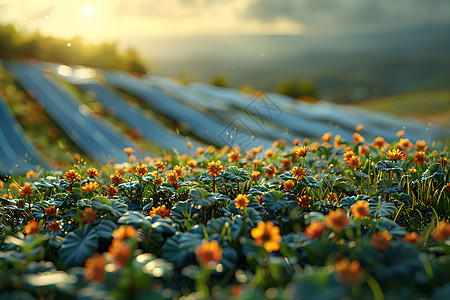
<point>107,20</point>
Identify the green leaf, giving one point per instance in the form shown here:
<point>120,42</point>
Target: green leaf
<point>380,208</point>
<point>235,173</point>
<point>183,211</point>
<point>78,246</point>
<point>275,200</point>
<point>201,197</point>
<point>347,202</point>
<point>105,229</point>
<point>179,249</point>
<point>134,218</point>
<point>388,165</point>
<point>388,186</point>
<point>389,225</point>
<point>314,216</point>
<point>216,225</point>
<point>434,171</point>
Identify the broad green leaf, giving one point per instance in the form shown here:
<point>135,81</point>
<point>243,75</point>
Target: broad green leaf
<point>78,246</point>
<point>201,197</point>
<point>434,171</point>
<point>388,165</point>
<point>380,208</point>
<point>235,173</point>
<point>389,225</point>
<point>105,229</point>
<point>347,202</point>
<point>275,200</point>
<point>179,249</point>
<point>388,186</point>
<point>134,218</point>
<point>183,211</point>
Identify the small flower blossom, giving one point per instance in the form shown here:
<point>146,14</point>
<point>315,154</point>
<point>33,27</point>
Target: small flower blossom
<point>326,137</point>
<point>286,163</point>
<point>270,171</point>
<point>400,133</point>
<point>209,252</point>
<point>359,127</point>
<point>124,232</point>
<point>360,209</point>
<point>234,156</point>
<point>337,141</point>
<point>354,162</point>
<point>26,191</point>
<point>405,144</point>
<point>54,226</point>
<point>411,237</point>
<point>189,144</point>
<point>257,162</point>
<point>120,252</point>
<point>72,176</point>
<point>420,157</point>
<point>200,151</point>
<point>395,154</point>
<point>337,219</point>
<point>30,174</point>
<point>141,170</point>
<point>314,229</point>
<point>289,185</point>
<point>379,142</point>
<point>267,235</point>
<point>161,211</point>
<point>159,164</point>
<point>32,227</point>
<point>94,268</point>
<point>215,168</point>
<point>210,149</point>
<point>191,163</point>
<point>158,181</point>
<point>421,145</point>
<point>51,211</point>
<point>255,175</point>
<point>296,141</point>
<point>357,138</point>
<point>278,144</point>
<point>89,215</point>
<point>172,178</point>
<point>241,201</point>
<point>90,186</point>
<point>111,191</point>
<point>116,179</point>
<point>178,170</point>
<point>14,185</point>
<point>304,201</point>
<point>447,187</point>
<point>443,162</point>
<point>128,150</point>
<point>442,231</point>
<point>349,273</point>
<point>298,172</point>
<point>1,184</point>
<point>92,172</point>
<point>301,151</point>
<point>381,240</point>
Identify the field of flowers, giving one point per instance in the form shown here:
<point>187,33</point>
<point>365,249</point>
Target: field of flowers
<point>328,219</point>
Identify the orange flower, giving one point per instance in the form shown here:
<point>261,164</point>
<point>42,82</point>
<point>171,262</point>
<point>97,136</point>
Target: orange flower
<point>379,142</point>
<point>189,144</point>
<point>447,187</point>
<point>30,174</point>
<point>304,201</point>
<point>277,143</point>
<point>354,162</point>
<point>400,133</point>
<point>15,185</point>
<point>141,170</point>
<point>32,227</point>
<point>257,162</point>
<point>124,232</point>
<point>286,163</point>
<point>159,164</point>
<point>381,240</point>
<point>326,137</point>
<point>337,141</point>
<point>111,191</point>
<point>92,172</point>
<point>337,219</point>
<point>419,157</point>
<point>271,171</point>
<point>94,268</point>
<point>54,226</point>
<point>209,252</point>
<point>395,154</point>
<point>215,168</point>
<point>192,164</point>
<point>421,145</point>
<point>360,209</point>
<point>90,186</point>
<point>349,272</point>
<point>314,229</point>
<point>26,191</point>
<point>241,201</point>
<point>128,150</point>
<point>148,159</point>
<point>289,185</point>
<point>405,144</point>
<point>442,231</point>
<point>89,215</point>
<point>161,211</point>
<point>6,196</point>
<point>357,138</point>
<point>270,153</point>
<point>200,151</point>
<point>359,127</point>
<point>72,176</point>
<point>210,149</point>
<point>234,156</point>
<point>296,141</point>
<point>255,175</point>
<point>51,211</point>
<point>443,162</point>
<point>158,181</point>
<point>300,151</point>
<point>172,178</point>
<point>298,172</point>
<point>1,184</point>
<point>116,179</point>
<point>411,237</point>
<point>267,235</point>
<point>131,158</point>
<point>178,170</point>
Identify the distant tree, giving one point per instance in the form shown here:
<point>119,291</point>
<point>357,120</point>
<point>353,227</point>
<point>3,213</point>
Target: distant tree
<point>219,80</point>
<point>134,62</point>
<point>297,89</point>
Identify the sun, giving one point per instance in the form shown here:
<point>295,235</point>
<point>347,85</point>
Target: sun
<point>88,11</point>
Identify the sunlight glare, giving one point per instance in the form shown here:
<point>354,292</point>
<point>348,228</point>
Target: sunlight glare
<point>88,11</point>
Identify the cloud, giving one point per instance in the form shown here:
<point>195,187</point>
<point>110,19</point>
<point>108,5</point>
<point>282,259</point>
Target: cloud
<point>346,16</point>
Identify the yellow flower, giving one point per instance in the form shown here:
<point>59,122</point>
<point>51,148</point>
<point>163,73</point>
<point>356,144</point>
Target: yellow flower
<point>72,176</point>
<point>128,150</point>
<point>298,172</point>
<point>314,229</point>
<point>161,211</point>
<point>209,252</point>
<point>304,201</point>
<point>255,175</point>
<point>241,201</point>
<point>30,174</point>
<point>90,187</point>
<point>215,168</point>
<point>300,151</point>
<point>267,235</point>
<point>124,232</point>
<point>270,153</point>
<point>178,170</point>
<point>234,156</point>
<point>357,138</point>
<point>420,157</point>
<point>141,170</point>
<point>359,127</point>
<point>326,137</point>
<point>360,209</point>
<point>395,154</point>
<point>289,185</point>
<point>92,172</point>
<point>379,142</point>
<point>337,219</point>
<point>400,133</point>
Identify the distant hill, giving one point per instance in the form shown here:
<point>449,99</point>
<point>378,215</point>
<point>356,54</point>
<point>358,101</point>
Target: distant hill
<point>345,68</point>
